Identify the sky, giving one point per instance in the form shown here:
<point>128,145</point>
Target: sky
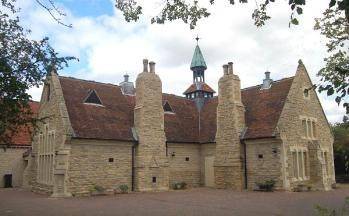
<point>108,47</point>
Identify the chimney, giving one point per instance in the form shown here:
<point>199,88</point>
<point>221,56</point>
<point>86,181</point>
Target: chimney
<point>151,171</point>
<point>267,81</point>
<point>126,86</point>
<point>230,68</point>
<point>225,69</point>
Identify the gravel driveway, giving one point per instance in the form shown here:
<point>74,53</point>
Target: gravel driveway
<point>199,201</point>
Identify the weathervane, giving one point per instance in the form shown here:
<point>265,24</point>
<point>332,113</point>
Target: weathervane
<point>197,39</point>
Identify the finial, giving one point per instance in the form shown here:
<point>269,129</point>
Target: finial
<point>197,39</point>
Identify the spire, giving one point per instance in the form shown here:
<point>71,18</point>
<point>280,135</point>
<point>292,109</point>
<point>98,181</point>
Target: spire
<point>198,59</point>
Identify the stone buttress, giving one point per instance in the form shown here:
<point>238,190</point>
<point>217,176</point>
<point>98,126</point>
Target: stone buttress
<point>151,164</point>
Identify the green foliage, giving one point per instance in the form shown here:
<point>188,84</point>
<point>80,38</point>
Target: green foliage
<point>123,188</point>
<point>24,63</point>
<point>334,26</point>
<point>341,148</point>
<point>99,188</point>
<point>323,211</point>
<point>267,185</point>
<point>179,186</point>
<point>191,12</point>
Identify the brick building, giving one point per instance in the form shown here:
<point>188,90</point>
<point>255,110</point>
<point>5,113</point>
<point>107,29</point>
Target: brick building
<point>109,135</point>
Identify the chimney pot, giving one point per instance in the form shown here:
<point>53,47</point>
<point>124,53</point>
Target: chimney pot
<point>230,66</point>
<point>225,69</point>
<point>267,75</point>
<point>152,67</point>
<point>145,65</point>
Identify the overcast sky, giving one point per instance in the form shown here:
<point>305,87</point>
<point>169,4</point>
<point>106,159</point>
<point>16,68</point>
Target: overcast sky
<point>108,47</point>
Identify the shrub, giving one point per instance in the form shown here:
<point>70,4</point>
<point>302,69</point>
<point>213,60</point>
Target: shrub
<point>123,188</point>
<point>99,188</point>
<point>267,185</point>
<point>179,185</point>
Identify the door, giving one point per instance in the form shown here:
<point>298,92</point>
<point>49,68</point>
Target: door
<point>209,171</point>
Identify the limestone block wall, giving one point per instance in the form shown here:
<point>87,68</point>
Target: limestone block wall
<point>292,132</point>
<point>263,161</point>
<point>99,163</point>
<point>54,114</point>
<point>11,162</point>
<point>184,163</point>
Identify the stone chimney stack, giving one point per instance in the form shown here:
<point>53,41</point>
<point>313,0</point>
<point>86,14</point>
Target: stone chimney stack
<point>151,164</point>
<point>267,81</point>
<point>228,167</point>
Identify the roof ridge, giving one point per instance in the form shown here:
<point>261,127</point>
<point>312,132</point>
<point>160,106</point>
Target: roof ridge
<point>274,81</point>
<point>91,81</point>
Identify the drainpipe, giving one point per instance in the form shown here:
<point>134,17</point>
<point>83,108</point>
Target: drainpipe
<point>133,167</point>
<point>245,162</point>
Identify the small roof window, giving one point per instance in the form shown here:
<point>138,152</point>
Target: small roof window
<point>167,107</point>
<point>93,98</point>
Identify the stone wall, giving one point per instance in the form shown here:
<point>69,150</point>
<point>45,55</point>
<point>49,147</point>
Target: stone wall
<point>54,114</point>
<point>184,163</point>
<point>11,162</point>
<point>99,163</point>
<point>291,132</point>
<point>263,162</point>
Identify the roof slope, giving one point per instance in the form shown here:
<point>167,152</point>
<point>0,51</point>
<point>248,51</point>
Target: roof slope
<point>109,121</point>
<point>23,137</point>
<point>199,86</point>
<point>114,119</point>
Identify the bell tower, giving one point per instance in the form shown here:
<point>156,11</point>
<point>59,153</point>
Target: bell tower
<point>199,90</point>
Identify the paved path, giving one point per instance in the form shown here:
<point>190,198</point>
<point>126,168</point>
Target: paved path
<point>200,201</point>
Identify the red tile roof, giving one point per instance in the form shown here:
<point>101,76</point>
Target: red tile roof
<point>23,137</point>
<point>114,119</point>
<point>199,86</point>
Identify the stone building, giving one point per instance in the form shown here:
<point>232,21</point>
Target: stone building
<point>14,156</point>
<point>111,135</point>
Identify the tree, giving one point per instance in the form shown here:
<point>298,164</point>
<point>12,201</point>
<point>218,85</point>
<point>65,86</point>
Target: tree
<point>24,63</point>
<point>341,149</point>
<point>334,25</point>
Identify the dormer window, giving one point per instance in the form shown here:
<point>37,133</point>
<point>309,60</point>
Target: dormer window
<point>93,98</point>
<point>167,108</point>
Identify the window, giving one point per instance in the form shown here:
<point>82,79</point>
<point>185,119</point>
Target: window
<point>187,159</point>
<point>167,107</point>
<point>309,128</point>
<point>154,180</point>
<point>111,160</point>
<point>300,164</point>
<point>260,156</point>
<point>325,160</point>
<point>295,165</point>
<point>48,92</point>
<point>46,153</point>
<point>93,98</point>
<point>306,93</point>
<point>305,129</point>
